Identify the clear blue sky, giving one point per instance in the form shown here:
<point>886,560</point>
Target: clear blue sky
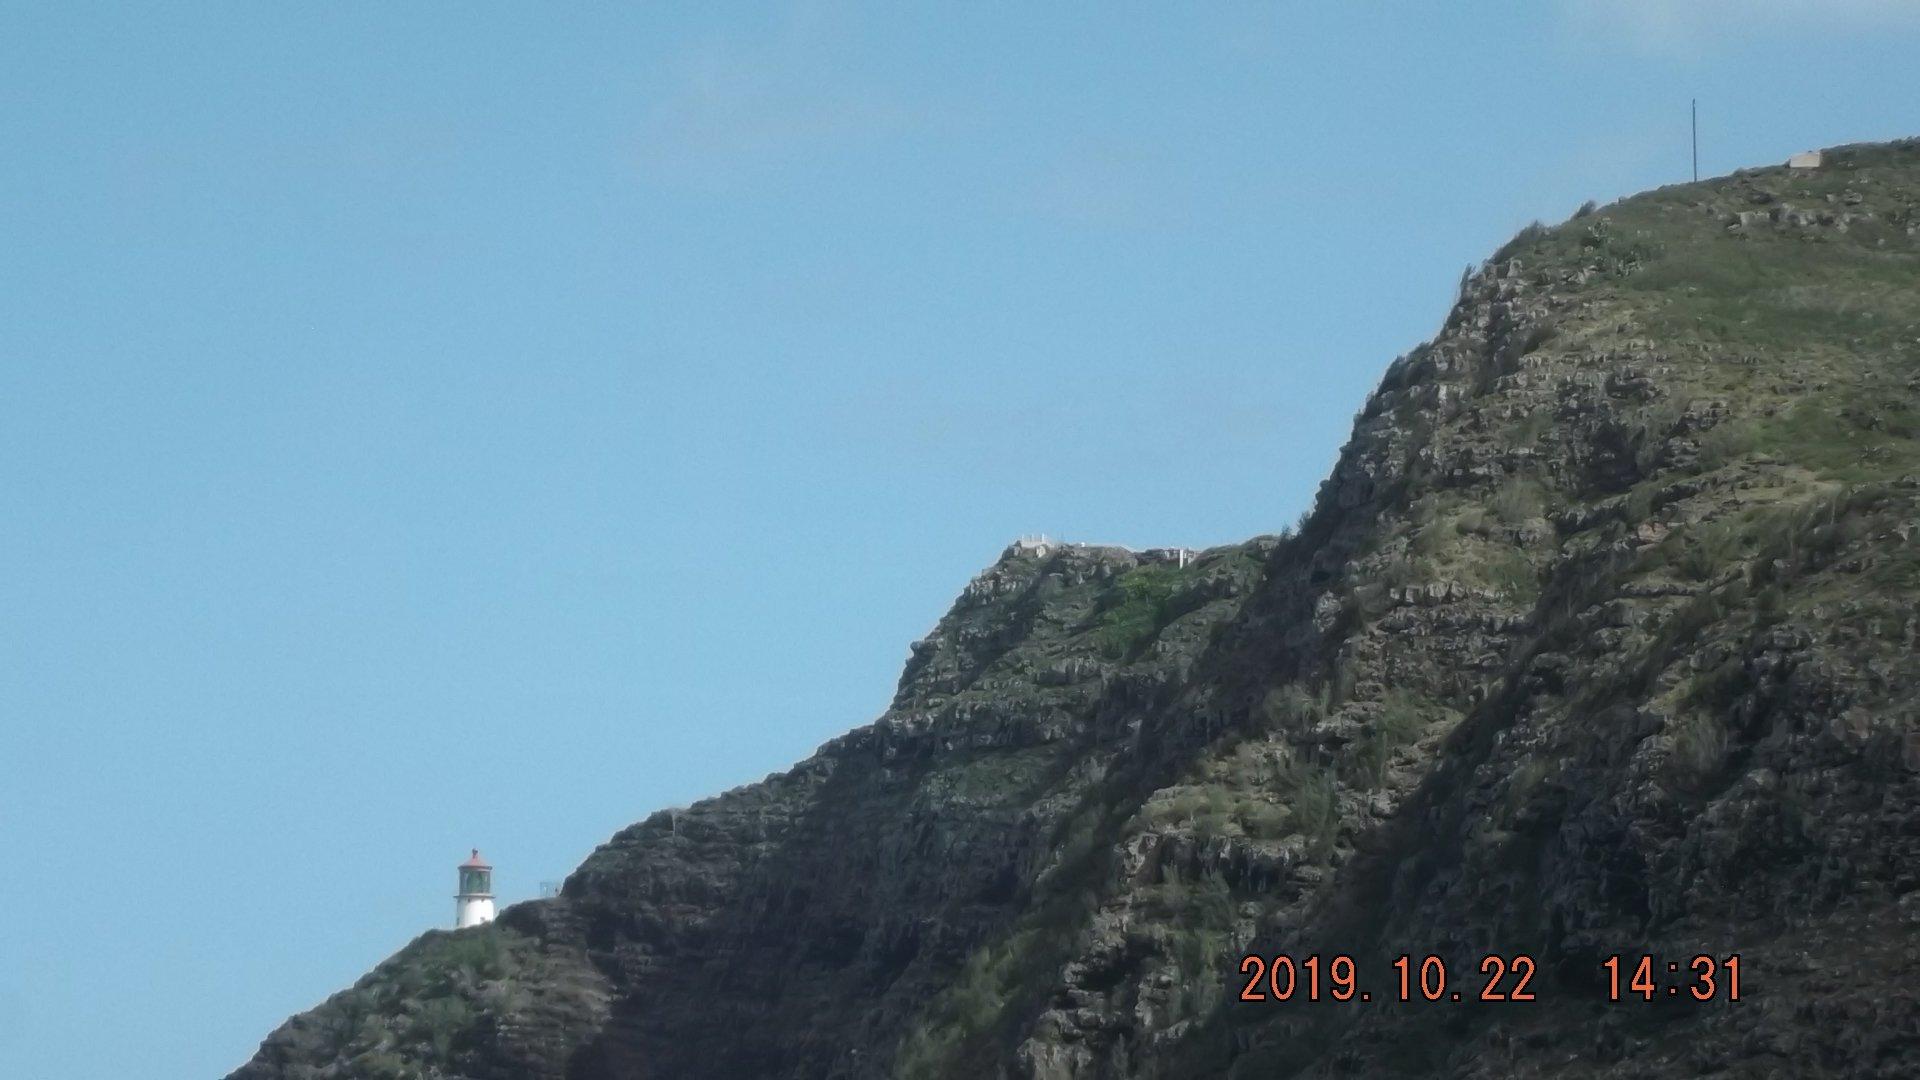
<point>472,425</point>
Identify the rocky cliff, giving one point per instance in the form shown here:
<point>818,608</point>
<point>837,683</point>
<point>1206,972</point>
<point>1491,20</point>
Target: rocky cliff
<point>1601,639</point>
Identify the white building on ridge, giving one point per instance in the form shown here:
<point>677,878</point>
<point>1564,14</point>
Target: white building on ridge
<point>473,905</point>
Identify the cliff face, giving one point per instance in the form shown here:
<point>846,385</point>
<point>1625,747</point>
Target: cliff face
<point>1601,639</point>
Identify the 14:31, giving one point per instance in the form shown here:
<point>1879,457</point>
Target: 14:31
<point>1706,978</point>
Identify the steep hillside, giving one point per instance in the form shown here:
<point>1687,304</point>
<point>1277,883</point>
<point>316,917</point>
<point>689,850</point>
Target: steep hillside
<point>1601,639</point>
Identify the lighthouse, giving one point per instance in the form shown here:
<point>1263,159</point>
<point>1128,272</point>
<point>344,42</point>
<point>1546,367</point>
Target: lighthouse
<point>473,905</point>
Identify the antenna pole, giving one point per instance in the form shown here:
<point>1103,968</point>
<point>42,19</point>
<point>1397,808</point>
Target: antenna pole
<point>1696,139</point>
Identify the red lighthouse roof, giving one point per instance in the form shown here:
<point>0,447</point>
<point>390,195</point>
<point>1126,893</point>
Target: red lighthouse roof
<point>476,862</point>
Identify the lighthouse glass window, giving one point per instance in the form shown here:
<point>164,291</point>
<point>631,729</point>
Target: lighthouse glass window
<point>473,881</point>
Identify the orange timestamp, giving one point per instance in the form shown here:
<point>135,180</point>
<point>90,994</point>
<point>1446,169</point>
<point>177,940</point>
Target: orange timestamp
<point>1336,977</point>
<point>1703,978</point>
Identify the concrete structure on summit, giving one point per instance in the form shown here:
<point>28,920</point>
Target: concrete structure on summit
<point>1041,545</point>
<point>473,905</point>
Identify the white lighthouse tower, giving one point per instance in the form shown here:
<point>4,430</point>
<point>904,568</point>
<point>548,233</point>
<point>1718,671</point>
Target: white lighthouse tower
<point>474,903</point>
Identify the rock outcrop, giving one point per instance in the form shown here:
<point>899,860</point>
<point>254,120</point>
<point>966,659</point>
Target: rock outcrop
<point>1601,640</point>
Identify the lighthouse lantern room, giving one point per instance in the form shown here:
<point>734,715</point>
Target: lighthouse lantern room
<point>474,903</point>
